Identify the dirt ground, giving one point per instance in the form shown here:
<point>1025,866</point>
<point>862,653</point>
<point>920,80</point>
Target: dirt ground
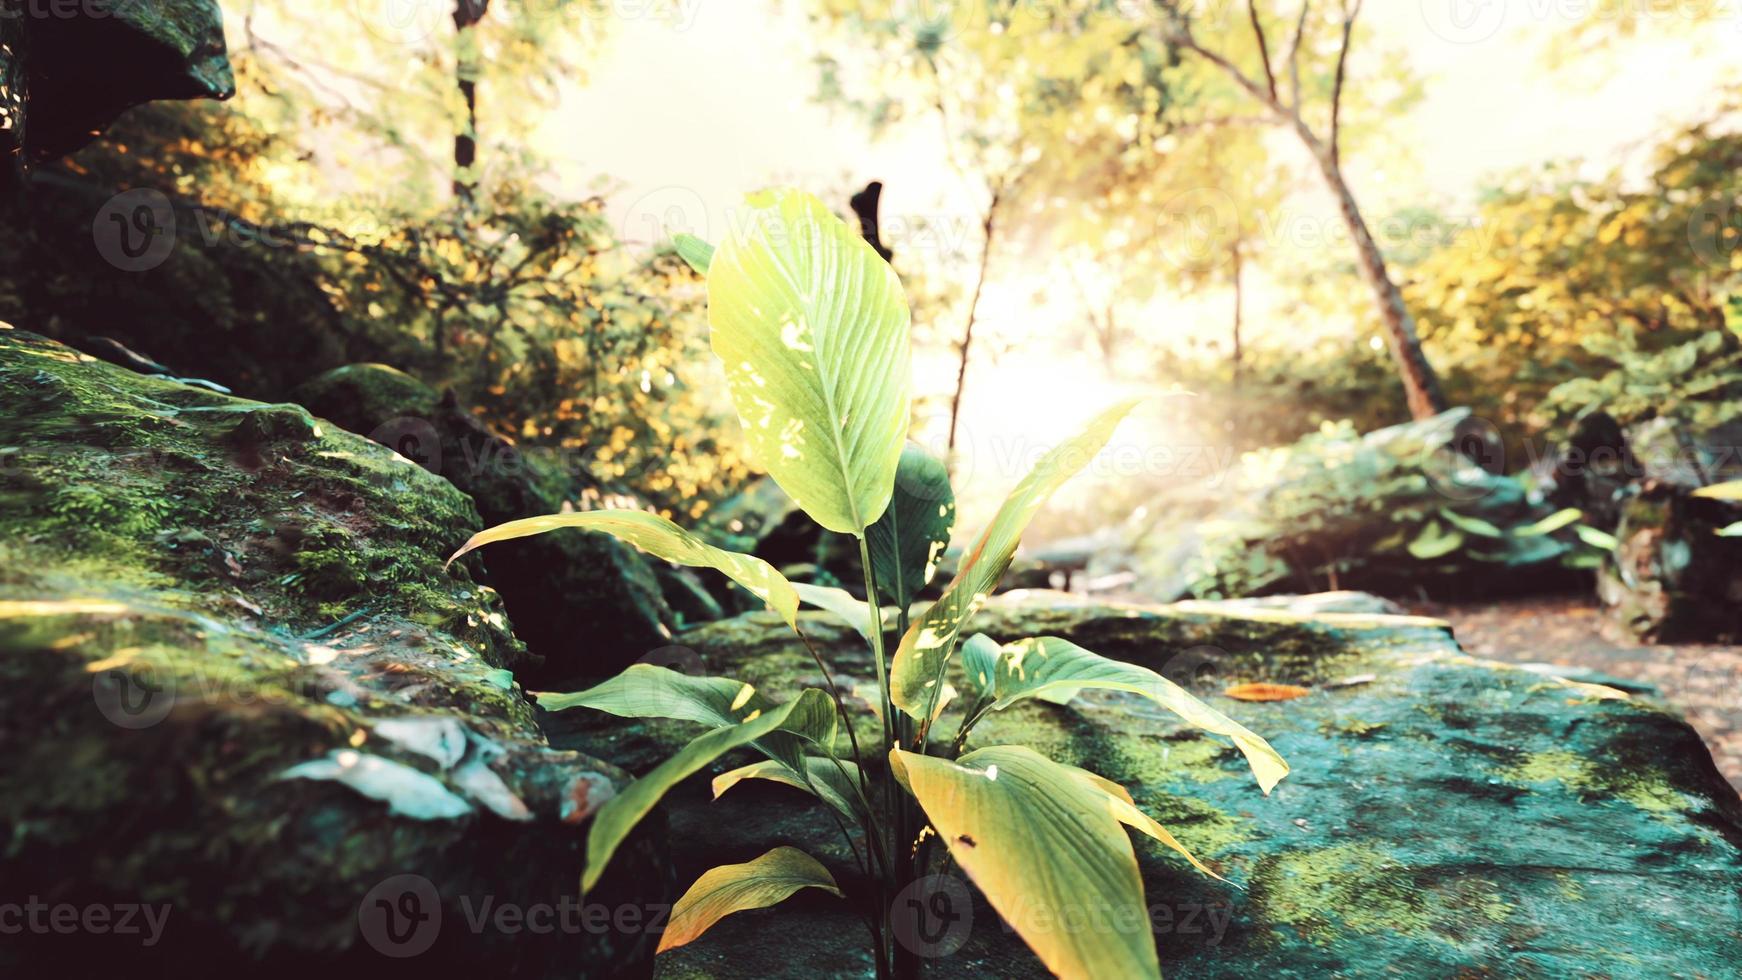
<point>1704,682</point>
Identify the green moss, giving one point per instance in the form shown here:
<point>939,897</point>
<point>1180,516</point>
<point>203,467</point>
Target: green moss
<point>1648,790</point>
<point>1346,887</point>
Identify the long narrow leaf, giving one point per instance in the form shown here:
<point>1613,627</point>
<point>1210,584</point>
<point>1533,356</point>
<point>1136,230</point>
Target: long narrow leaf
<point>1032,668</point>
<point>657,536</point>
<point>839,784</point>
<point>840,602</point>
<point>916,674</point>
<point>693,250</point>
<point>768,880</point>
<point>649,691</point>
<point>811,712</point>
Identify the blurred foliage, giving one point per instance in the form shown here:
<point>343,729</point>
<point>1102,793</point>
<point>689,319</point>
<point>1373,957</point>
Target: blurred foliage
<point>1558,278</point>
<point>343,244</point>
<point>1395,509</point>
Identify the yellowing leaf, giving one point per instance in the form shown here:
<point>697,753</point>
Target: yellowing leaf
<point>1038,838</point>
<point>768,880</point>
<point>660,537</point>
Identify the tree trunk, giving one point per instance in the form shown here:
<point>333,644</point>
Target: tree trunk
<point>1420,385</point>
<point>1239,318</point>
<point>990,228</point>
<point>467,14</point>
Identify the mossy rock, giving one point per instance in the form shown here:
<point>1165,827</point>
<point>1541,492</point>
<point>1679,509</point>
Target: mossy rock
<point>1672,578</point>
<point>236,682</point>
<point>584,603</point>
<point>1445,816</point>
<point>162,49</point>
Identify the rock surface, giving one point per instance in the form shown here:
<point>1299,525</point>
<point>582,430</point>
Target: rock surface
<point>1445,816</point>
<point>52,102</point>
<point>236,684</point>
<point>585,603</point>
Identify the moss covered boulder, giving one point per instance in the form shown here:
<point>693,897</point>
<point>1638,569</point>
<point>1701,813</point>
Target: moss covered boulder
<point>1445,816</point>
<point>584,603</point>
<point>243,704</point>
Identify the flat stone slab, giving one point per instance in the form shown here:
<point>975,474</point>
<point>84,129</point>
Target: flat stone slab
<point>1445,815</point>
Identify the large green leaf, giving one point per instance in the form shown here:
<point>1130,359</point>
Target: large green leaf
<point>1031,668</point>
<point>807,716</point>
<point>657,536</point>
<point>912,534</point>
<point>1046,848</point>
<point>768,880</point>
<point>649,691</point>
<point>812,326</point>
<point>916,674</point>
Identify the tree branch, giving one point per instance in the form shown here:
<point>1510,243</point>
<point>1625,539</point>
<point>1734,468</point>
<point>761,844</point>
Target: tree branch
<point>1293,59</point>
<point>1263,48</point>
<point>1349,15</point>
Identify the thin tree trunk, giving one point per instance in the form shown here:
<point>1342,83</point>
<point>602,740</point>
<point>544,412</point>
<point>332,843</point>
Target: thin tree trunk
<point>1239,318</point>
<point>467,14</point>
<point>1420,385</point>
<point>990,228</point>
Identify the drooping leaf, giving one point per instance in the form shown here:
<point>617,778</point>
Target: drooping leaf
<point>840,602</point>
<point>1030,667</point>
<point>1601,540</point>
<point>812,326</point>
<point>1550,524</point>
<point>837,783</point>
<point>768,880</point>
<point>1126,812</point>
<point>693,250</point>
<point>649,691</point>
<point>1722,491</point>
<point>806,716</point>
<point>1435,541</point>
<point>916,674</point>
<point>1472,525</point>
<point>657,536</point>
<point>1040,841</point>
<point>910,537</point>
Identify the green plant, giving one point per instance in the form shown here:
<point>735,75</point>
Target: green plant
<point>812,327</point>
